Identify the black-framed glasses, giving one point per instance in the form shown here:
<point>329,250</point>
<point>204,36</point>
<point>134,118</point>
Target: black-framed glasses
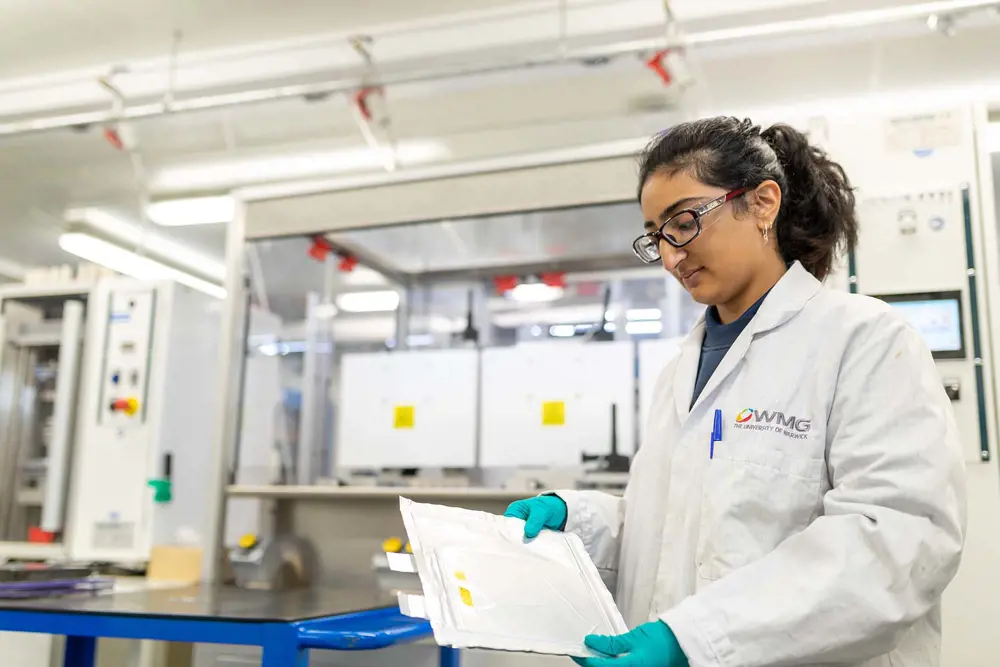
<point>680,229</point>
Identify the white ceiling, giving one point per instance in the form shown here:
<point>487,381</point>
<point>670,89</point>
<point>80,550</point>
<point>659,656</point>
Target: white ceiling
<point>42,174</point>
<point>45,36</point>
<point>49,36</point>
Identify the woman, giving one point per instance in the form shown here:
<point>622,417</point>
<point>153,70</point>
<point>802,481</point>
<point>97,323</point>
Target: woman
<point>822,522</point>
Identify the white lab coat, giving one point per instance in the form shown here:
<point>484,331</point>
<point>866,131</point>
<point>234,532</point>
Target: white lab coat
<point>828,523</point>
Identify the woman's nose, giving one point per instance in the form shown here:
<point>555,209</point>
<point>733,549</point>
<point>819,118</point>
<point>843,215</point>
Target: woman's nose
<point>671,256</point>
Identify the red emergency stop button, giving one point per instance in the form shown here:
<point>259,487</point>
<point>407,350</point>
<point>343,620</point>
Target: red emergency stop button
<point>127,405</point>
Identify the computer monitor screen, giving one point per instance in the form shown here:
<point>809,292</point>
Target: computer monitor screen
<point>938,318</point>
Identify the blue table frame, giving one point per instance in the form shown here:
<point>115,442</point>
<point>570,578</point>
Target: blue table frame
<point>284,644</point>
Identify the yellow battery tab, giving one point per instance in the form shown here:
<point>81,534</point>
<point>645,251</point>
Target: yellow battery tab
<point>553,413</point>
<point>403,416</point>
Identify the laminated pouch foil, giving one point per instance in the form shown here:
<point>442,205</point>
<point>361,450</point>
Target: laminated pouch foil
<point>486,587</point>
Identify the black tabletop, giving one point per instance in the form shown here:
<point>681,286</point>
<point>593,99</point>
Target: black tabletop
<point>226,603</point>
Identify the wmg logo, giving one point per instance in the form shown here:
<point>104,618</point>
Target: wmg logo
<point>772,420</point>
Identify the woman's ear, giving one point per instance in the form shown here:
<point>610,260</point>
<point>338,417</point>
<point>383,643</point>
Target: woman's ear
<point>765,201</point>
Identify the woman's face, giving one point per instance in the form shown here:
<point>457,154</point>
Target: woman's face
<point>720,263</point>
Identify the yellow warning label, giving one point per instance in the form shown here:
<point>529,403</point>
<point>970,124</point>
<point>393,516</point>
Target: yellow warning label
<point>553,413</point>
<point>466,596</point>
<point>403,416</point>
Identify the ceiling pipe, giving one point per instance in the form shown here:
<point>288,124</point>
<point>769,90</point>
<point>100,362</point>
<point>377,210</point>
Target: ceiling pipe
<point>853,20</point>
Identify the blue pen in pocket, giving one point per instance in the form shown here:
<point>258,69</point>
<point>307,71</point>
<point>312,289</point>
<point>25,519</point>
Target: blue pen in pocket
<point>716,433</point>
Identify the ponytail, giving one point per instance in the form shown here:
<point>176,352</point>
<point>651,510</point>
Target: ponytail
<point>817,218</point>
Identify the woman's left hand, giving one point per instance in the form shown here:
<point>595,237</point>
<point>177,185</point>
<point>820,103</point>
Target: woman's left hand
<point>649,645</point>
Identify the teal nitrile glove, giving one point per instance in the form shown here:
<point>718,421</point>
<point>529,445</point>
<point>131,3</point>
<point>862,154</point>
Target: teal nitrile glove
<point>649,645</point>
<point>538,513</point>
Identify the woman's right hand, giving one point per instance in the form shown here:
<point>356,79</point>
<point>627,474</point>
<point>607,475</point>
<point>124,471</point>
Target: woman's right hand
<point>539,513</point>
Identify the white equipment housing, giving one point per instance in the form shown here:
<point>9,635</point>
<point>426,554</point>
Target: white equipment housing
<point>155,343</point>
<point>408,409</point>
<point>929,236</point>
<point>530,405</point>
<point>160,339</point>
<point>550,403</point>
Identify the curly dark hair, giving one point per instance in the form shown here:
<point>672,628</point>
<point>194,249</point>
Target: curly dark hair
<point>817,219</point>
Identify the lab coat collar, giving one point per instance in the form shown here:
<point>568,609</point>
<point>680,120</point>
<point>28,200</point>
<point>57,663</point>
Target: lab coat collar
<point>788,296</point>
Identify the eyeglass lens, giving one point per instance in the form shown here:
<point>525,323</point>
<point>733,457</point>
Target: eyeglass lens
<point>647,248</point>
<point>681,228</point>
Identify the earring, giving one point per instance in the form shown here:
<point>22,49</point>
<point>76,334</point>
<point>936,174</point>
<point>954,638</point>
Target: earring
<point>765,233</point>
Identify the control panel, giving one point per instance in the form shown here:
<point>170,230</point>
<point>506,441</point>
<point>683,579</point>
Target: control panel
<point>126,357</point>
<point>146,414</point>
<point>931,281</point>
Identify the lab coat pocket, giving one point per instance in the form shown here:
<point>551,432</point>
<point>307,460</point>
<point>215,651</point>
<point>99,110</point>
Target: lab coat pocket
<point>754,496</point>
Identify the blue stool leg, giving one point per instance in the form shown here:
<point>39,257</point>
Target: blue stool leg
<point>80,652</point>
<point>284,655</point>
<point>450,657</point>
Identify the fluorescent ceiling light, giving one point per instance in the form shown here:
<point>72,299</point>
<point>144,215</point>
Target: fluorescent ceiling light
<point>439,324</point>
<point>284,347</point>
<point>641,314</point>
<point>521,316</point>
<point>325,311</point>
<point>134,235</point>
<point>129,263</point>
<point>193,211</point>
<point>362,276</point>
<point>535,293</point>
<point>641,328</point>
<point>368,302</point>
<point>229,173</point>
<point>568,330</point>
<point>419,340</point>
<point>256,340</point>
